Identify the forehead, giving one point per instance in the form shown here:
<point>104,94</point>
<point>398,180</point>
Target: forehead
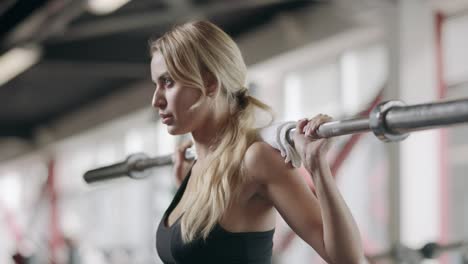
<point>158,65</point>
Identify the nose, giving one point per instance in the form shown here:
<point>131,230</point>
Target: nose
<point>158,99</point>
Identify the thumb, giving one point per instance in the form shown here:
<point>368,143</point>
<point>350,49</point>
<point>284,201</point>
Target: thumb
<point>187,144</point>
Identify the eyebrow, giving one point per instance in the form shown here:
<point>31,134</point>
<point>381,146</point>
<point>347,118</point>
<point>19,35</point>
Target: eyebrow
<point>163,75</point>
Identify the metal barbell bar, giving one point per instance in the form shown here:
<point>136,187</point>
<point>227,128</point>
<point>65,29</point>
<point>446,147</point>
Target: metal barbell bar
<point>389,121</point>
<point>393,120</point>
<point>430,250</point>
<point>136,166</point>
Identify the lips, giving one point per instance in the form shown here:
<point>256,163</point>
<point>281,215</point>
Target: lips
<point>164,115</point>
<point>166,118</point>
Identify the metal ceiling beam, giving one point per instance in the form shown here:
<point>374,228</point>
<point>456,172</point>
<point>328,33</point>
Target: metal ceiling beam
<point>51,19</point>
<point>5,5</point>
<point>134,98</point>
<point>180,7</point>
<point>95,69</point>
<point>118,24</point>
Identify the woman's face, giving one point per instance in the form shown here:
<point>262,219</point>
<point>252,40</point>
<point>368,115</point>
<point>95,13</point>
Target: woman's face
<point>173,100</point>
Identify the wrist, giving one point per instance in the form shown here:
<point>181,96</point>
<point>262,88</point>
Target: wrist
<point>317,164</point>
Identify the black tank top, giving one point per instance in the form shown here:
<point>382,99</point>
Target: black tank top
<point>221,246</point>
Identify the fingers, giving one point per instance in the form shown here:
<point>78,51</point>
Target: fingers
<point>307,142</point>
<point>311,127</point>
<point>300,125</point>
<point>185,145</point>
<point>179,154</point>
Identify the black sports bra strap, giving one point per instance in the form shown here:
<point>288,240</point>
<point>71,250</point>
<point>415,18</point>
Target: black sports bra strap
<point>179,192</point>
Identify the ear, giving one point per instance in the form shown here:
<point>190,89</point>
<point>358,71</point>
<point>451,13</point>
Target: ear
<point>211,84</point>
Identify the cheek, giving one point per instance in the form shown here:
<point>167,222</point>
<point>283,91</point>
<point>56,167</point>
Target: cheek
<point>186,118</point>
<point>179,101</point>
<point>185,99</point>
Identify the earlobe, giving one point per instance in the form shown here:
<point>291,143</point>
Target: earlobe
<point>211,89</point>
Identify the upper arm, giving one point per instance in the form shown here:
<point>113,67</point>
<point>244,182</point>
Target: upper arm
<point>289,193</point>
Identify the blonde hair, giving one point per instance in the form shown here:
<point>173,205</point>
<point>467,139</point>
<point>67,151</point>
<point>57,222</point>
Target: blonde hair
<point>191,52</point>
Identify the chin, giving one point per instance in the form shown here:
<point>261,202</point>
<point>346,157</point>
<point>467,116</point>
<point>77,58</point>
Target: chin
<point>172,131</point>
<point>175,131</point>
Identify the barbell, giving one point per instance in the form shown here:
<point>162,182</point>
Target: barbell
<point>390,121</point>
<point>432,250</point>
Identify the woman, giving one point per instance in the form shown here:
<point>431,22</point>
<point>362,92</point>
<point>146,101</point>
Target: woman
<point>224,210</point>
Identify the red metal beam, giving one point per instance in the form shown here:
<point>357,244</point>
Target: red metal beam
<point>56,237</point>
<point>444,177</point>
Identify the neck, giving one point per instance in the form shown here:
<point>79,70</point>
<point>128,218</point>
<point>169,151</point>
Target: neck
<point>205,137</point>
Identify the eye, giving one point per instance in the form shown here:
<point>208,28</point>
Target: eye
<point>168,82</point>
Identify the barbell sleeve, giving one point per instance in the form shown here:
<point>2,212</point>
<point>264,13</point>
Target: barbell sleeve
<point>425,116</point>
<point>106,173</point>
<point>136,166</point>
<point>392,120</point>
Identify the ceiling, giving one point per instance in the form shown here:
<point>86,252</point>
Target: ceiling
<point>85,57</point>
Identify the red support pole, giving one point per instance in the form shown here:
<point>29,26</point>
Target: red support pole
<point>444,180</point>
<point>56,239</point>
<point>12,225</point>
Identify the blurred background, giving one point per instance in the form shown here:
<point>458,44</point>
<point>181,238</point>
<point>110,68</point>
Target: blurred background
<point>75,94</point>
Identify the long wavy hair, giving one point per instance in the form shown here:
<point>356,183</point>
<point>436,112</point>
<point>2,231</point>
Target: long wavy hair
<point>193,51</point>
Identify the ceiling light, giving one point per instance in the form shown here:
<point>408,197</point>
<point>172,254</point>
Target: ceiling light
<point>16,61</point>
<point>102,7</point>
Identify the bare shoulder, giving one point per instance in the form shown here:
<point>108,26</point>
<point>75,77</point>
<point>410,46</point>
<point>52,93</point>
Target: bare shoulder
<point>264,162</point>
<point>286,189</point>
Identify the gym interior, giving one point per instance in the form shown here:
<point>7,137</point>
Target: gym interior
<point>75,96</point>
